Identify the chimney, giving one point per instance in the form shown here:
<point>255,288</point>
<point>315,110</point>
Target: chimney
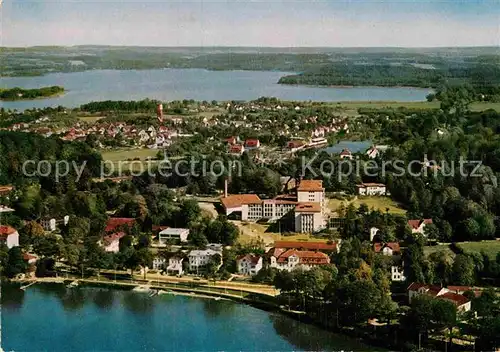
<point>225,188</point>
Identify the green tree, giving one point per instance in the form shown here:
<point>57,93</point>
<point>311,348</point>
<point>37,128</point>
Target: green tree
<point>15,263</point>
<point>463,270</point>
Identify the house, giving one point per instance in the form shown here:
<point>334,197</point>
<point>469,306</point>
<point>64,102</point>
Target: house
<point>418,226</point>
<point>294,146</point>
<point>376,150</point>
<point>289,259</point>
<point>389,248</point>
<point>175,265</point>
<point>232,140</point>
<point>119,223</point>
<point>373,233</point>
<point>111,242</point>
<point>371,189</point>
<point>175,234</point>
<point>346,154</point>
<point>5,190</point>
<point>48,224</point>
<point>252,144</point>
<point>30,258</point>
<point>236,149</point>
<point>397,273</point>
<point>417,289</point>
<point>159,263</point>
<point>9,236</point>
<point>249,264</point>
<point>309,245</point>
<point>198,259</point>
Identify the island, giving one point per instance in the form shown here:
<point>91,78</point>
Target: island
<point>17,93</point>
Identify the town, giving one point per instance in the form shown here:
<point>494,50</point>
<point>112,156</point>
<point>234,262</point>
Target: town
<point>414,257</point>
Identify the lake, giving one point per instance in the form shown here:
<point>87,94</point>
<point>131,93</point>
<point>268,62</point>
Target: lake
<point>51,317</point>
<point>197,84</point>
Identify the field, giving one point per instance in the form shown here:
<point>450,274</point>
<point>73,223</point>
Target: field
<point>491,248</point>
<point>119,158</point>
<point>428,250</point>
<point>251,231</point>
<point>380,203</point>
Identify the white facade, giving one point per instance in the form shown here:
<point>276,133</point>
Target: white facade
<point>249,265</point>
<point>177,234</point>
<point>308,222</point>
<point>11,239</point>
<point>175,266</point>
<point>159,263</point>
<point>311,196</point>
<point>198,259</point>
<point>397,273</point>
<point>372,190</point>
<point>373,233</point>
<point>113,246</point>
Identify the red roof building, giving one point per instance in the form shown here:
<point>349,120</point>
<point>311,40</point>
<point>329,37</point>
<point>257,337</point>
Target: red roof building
<point>252,143</point>
<point>317,246</point>
<point>115,223</point>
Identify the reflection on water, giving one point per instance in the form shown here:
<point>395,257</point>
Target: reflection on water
<point>104,298</point>
<point>138,302</point>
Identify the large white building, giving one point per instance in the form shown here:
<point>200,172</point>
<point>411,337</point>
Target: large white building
<point>198,259</point>
<point>308,206</point>
<point>175,234</point>
<point>289,259</point>
<point>372,189</point>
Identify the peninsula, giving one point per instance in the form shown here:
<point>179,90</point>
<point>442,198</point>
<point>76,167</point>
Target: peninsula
<point>17,93</point>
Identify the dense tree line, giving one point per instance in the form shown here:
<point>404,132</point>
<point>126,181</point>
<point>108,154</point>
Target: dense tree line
<point>27,94</point>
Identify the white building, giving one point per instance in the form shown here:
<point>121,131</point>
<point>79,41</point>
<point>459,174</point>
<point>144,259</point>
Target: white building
<point>173,234</point>
<point>175,265</point>
<point>111,243</point>
<point>311,191</point>
<point>159,263</point>
<point>415,289</point>
<point>289,259</point>
<point>372,189</point>
<point>418,226</point>
<point>397,273</point>
<point>308,218</point>
<point>9,236</point>
<point>249,264</point>
<point>198,259</point>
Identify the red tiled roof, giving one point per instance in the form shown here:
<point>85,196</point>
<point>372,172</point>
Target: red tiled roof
<point>345,152</point>
<point>236,148</point>
<point>295,144</point>
<point>305,257</point>
<point>251,143</point>
<point>237,200</point>
<point>459,288</point>
<point>378,247</point>
<point>415,224</point>
<point>308,207</point>
<point>251,258</point>
<point>6,189</point>
<point>414,286</point>
<point>306,245</point>
<point>6,231</point>
<point>28,256</point>
<point>455,298</point>
<point>310,186</point>
<point>113,223</point>
<point>113,237</point>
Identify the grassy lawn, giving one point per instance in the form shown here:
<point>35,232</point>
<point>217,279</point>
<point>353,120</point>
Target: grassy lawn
<point>380,203</point>
<point>121,155</point>
<point>491,248</point>
<point>428,250</point>
<point>251,231</point>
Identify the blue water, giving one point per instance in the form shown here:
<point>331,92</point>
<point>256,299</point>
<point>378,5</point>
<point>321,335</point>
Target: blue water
<point>353,146</point>
<point>55,318</point>
<point>197,84</point>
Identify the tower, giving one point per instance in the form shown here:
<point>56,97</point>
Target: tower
<point>159,112</point>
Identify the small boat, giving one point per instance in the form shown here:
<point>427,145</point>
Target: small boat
<point>72,284</point>
<point>217,298</point>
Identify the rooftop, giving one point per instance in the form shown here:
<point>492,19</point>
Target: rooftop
<point>237,200</point>
<point>308,207</point>
<point>305,245</point>
<point>310,186</point>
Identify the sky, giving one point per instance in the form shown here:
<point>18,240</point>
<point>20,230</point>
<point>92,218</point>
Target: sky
<point>274,23</point>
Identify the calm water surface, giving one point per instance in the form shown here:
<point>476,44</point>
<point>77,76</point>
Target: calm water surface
<point>198,84</point>
<point>55,318</point>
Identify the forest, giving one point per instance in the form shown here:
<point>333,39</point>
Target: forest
<point>27,94</point>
